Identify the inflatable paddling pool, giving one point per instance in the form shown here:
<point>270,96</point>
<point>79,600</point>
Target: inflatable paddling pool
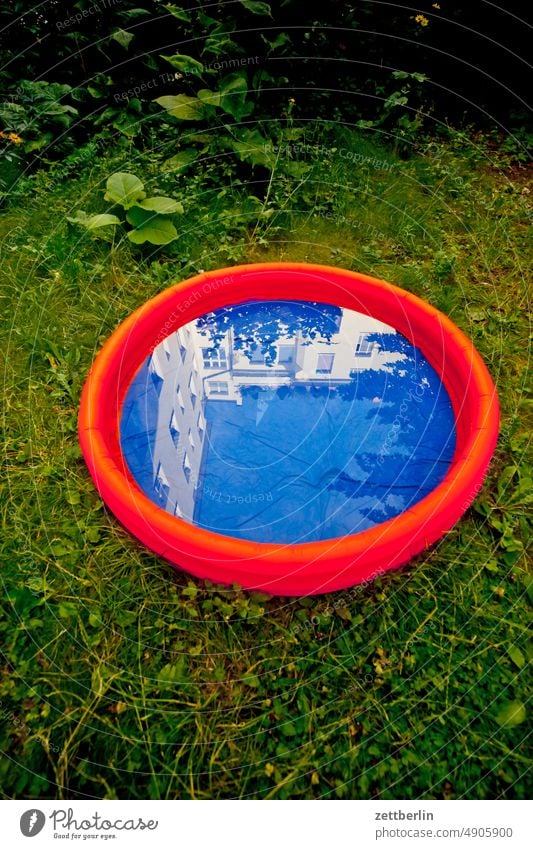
<point>287,427</point>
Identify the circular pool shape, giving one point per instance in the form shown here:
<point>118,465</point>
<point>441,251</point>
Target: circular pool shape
<point>288,427</point>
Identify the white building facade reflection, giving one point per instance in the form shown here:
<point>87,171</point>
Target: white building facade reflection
<point>189,371</point>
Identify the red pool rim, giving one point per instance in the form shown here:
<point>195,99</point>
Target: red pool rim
<point>304,568</point>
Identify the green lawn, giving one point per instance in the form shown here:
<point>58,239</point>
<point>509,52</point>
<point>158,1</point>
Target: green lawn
<point>122,677</point>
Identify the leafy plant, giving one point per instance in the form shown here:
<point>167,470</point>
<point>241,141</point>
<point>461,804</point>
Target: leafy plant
<point>398,113</point>
<point>230,98</point>
<point>148,216</point>
<point>126,118</point>
<point>37,113</point>
<point>519,145</point>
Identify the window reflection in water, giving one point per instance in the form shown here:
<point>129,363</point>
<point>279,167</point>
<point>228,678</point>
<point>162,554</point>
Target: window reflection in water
<point>287,421</point>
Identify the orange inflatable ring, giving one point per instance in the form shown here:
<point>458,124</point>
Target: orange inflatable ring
<point>313,567</point>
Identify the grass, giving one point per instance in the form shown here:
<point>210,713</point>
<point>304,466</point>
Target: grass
<point>122,677</point>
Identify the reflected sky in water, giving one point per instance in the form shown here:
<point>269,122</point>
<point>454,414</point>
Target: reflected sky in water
<point>287,421</point>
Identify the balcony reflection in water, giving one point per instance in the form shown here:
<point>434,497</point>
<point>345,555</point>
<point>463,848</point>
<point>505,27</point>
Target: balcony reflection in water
<point>287,421</point>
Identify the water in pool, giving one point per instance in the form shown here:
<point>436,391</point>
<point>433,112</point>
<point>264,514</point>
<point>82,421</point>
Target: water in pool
<point>287,421</point>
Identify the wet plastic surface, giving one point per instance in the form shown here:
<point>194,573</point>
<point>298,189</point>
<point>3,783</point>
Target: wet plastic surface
<point>287,422</point>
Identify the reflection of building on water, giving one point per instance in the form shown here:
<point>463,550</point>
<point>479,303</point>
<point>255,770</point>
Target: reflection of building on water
<point>175,372</point>
<point>297,360</point>
<point>188,370</point>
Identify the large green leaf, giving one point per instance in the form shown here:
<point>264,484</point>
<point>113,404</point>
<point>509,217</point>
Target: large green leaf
<point>516,656</point>
<point>233,93</point>
<point>132,14</point>
<point>80,217</point>
<point>511,714</point>
<point>93,222</point>
<point>123,38</point>
<point>162,205</point>
<point>124,188</point>
<point>208,97</point>
<point>185,64</point>
<point>256,7</point>
<point>97,221</point>
<point>181,160</point>
<point>150,227</point>
<point>178,13</point>
<point>235,83</point>
<point>182,106</point>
